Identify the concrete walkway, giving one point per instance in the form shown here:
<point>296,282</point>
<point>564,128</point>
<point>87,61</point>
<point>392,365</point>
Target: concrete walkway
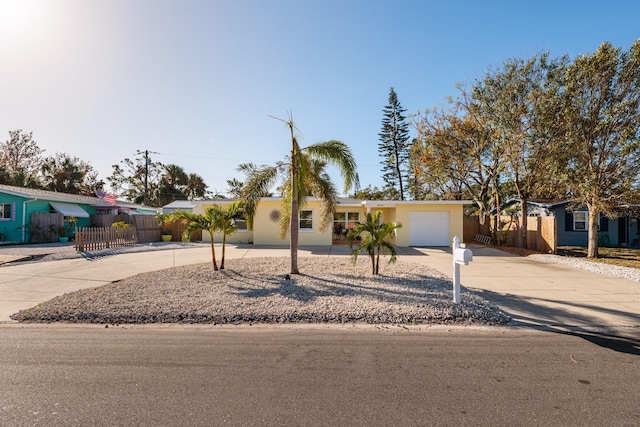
<point>534,293</point>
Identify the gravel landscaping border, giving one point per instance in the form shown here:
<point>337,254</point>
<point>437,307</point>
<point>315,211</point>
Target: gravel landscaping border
<point>258,290</point>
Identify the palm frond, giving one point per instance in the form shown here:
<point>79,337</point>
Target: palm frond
<point>321,186</point>
<point>259,181</point>
<point>338,154</point>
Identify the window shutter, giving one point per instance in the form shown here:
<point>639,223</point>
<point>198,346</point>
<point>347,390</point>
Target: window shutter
<point>604,223</point>
<point>13,211</point>
<point>568,221</point>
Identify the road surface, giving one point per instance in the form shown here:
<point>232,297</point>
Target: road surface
<point>55,375</point>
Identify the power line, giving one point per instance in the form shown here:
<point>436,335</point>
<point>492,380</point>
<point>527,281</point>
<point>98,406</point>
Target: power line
<point>240,160</point>
<point>146,172</point>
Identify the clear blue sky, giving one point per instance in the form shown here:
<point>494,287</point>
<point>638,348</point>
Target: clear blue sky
<point>196,80</point>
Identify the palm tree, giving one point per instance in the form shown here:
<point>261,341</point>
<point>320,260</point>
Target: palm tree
<point>196,188</point>
<point>305,174</point>
<point>374,240</point>
<point>225,223</point>
<point>215,218</point>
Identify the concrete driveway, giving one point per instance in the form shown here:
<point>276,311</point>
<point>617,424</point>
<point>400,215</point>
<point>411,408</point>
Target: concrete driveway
<point>540,293</point>
<point>533,292</point>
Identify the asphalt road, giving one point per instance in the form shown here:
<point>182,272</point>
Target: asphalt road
<point>54,375</point>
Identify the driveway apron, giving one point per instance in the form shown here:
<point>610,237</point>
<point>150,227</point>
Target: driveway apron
<point>540,293</point>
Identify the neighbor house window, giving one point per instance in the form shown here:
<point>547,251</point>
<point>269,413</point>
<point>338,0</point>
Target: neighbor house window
<point>5,211</point>
<point>580,222</point>
<point>306,220</point>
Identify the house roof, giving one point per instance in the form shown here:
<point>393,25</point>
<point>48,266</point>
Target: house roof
<point>548,203</point>
<point>34,193</point>
<point>181,204</point>
<point>343,201</point>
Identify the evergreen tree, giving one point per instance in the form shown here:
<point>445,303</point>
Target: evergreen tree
<point>394,144</point>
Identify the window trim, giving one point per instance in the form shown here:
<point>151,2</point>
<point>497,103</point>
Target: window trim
<point>6,206</point>
<point>585,220</point>
<point>310,220</point>
<point>246,226</point>
<point>345,222</point>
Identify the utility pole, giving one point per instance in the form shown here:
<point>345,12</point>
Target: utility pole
<point>146,172</point>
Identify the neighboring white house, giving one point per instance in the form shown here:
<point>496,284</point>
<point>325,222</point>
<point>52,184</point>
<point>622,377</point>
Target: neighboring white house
<point>179,205</point>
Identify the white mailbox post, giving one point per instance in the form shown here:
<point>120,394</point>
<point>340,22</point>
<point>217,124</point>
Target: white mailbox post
<point>460,256</point>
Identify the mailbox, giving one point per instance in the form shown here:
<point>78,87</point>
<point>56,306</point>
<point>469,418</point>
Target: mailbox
<point>462,256</point>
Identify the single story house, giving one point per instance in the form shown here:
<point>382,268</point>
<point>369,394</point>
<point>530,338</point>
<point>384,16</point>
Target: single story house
<point>17,204</point>
<point>424,223</point>
<point>573,223</point>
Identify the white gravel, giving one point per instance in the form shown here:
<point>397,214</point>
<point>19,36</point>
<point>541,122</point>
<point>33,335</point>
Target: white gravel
<point>257,290</point>
<point>594,266</point>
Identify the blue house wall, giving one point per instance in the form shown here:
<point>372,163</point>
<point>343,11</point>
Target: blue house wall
<point>11,227</point>
<point>608,234</point>
<point>17,228</point>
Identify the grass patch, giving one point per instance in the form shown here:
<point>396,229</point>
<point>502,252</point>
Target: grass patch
<point>623,257</point>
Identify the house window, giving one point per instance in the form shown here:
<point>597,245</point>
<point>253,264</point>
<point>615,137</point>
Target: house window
<point>306,220</point>
<point>345,220</point>
<point>241,223</point>
<point>5,211</point>
<point>580,221</point>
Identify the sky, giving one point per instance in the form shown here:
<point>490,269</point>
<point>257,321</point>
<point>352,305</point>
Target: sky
<point>194,82</point>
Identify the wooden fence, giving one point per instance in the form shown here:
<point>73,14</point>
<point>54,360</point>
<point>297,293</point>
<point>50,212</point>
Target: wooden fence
<point>542,233</point>
<point>95,238</point>
<point>143,229</point>
<point>178,227</point>
<point>147,228</point>
<point>45,226</point>
<point>103,220</point>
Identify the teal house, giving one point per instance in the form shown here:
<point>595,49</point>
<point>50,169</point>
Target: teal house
<point>17,205</point>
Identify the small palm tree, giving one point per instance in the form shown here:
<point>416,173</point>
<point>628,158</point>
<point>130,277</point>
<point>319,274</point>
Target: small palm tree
<point>225,223</point>
<point>305,175</point>
<point>197,222</point>
<point>215,218</point>
<point>374,240</point>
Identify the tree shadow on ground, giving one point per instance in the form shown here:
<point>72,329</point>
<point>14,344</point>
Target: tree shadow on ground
<point>415,291</point>
<point>558,317</point>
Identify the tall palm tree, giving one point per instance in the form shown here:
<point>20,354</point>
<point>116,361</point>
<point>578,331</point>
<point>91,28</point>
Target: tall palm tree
<point>305,174</point>
<point>374,234</point>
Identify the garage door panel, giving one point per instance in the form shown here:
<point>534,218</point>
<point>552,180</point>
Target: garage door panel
<point>428,228</point>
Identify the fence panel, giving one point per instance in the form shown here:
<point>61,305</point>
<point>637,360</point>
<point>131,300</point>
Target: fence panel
<point>103,220</point>
<point>147,228</point>
<point>548,234</point>
<point>96,238</point>
<point>472,227</point>
<point>45,226</point>
<point>541,232</point>
<point>178,227</point>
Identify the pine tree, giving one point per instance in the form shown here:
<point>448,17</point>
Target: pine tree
<point>394,144</point>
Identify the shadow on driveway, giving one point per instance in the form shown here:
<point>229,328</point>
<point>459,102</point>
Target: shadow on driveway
<point>564,321</point>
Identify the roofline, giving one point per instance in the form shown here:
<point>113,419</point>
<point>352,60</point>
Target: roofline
<point>362,203</point>
<point>16,193</point>
<point>376,203</point>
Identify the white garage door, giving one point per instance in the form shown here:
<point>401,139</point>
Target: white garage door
<point>429,229</point>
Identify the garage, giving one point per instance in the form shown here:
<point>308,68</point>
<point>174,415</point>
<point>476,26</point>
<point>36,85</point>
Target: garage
<point>429,229</point>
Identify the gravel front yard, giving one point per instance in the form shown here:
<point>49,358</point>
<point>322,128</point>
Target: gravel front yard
<point>257,290</point>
